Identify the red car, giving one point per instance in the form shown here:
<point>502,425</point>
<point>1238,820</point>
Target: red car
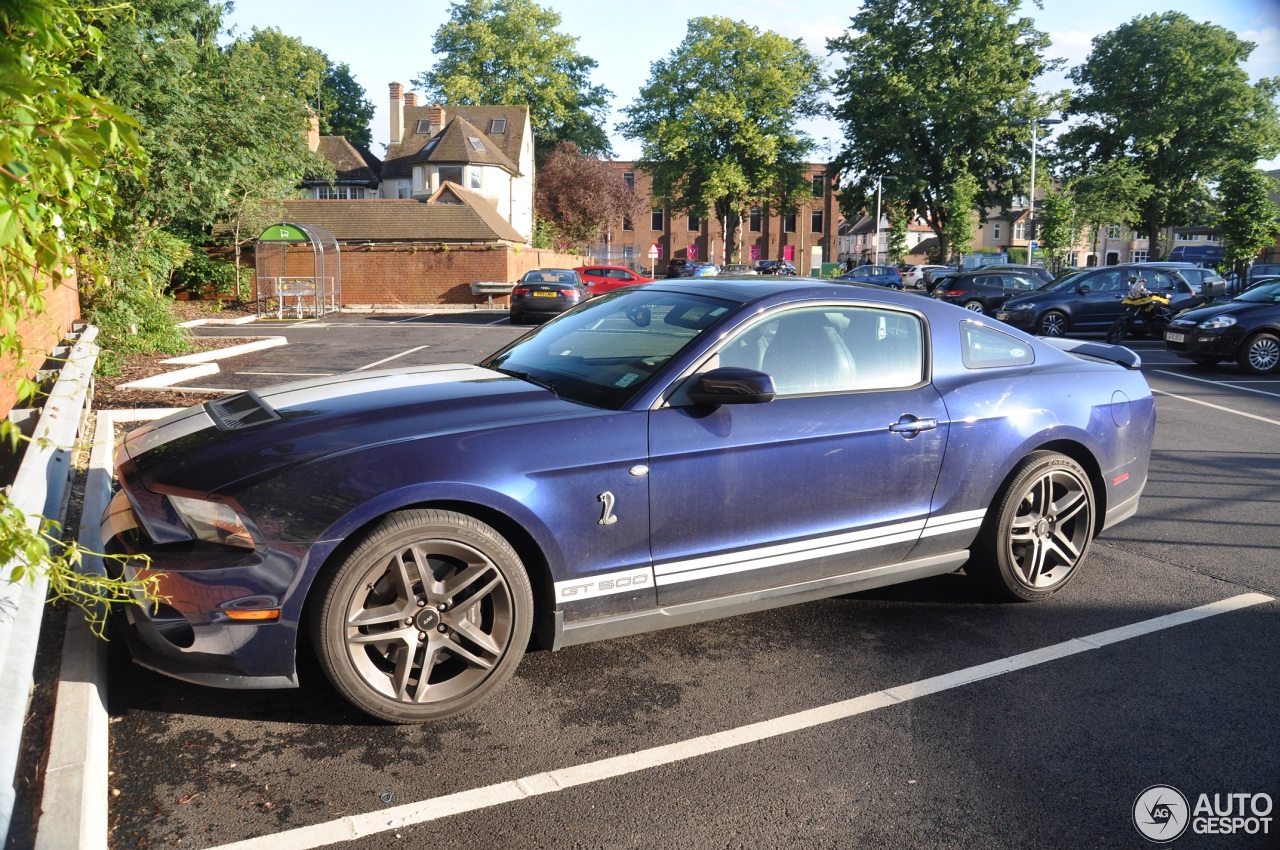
<point>602,279</point>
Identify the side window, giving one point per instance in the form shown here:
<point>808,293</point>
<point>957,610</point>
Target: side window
<point>832,349</point>
<point>982,347</point>
<point>988,280</point>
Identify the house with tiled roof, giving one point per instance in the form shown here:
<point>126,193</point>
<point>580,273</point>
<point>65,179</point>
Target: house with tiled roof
<point>357,171</point>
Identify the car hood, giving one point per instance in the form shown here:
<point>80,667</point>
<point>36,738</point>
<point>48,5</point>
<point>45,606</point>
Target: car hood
<point>1230,308</point>
<point>241,438</point>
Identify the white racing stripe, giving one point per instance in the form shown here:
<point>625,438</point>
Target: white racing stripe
<point>693,569</point>
<point>425,811</point>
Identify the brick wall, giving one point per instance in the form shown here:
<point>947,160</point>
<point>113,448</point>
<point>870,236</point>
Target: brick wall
<point>40,333</point>
<point>415,275</point>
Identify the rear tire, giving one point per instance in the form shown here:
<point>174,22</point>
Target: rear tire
<point>974,306</point>
<point>1038,530</point>
<point>425,618</point>
<point>1119,330</point>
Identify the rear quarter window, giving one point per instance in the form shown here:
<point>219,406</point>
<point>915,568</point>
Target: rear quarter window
<point>982,347</point>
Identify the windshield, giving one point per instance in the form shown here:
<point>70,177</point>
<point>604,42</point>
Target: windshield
<point>1267,293</point>
<point>606,351</point>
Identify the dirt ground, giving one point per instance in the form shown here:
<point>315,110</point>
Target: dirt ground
<point>108,396</point>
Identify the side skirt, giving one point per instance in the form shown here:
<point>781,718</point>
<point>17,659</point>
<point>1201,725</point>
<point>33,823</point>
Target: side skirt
<point>621,625</point>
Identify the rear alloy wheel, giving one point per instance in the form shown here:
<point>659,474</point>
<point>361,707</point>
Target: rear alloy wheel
<point>1260,354</point>
<point>975,306</point>
<point>1038,530</point>
<point>429,614</point>
<point>1053,323</point>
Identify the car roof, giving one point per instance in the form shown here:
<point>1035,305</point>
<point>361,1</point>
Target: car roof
<point>755,287</point>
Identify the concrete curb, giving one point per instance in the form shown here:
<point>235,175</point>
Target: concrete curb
<point>77,778</point>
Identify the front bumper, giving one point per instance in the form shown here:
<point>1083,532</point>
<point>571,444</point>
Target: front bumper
<point>1023,319</point>
<point>1194,343</point>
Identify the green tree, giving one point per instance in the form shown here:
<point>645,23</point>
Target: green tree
<point>1056,227</point>
<point>716,121</point>
<point>61,150</point>
<point>1170,96</point>
<point>308,74</point>
<point>899,215</point>
<point>1111,193</point>
<point>1249,218</point>
<point>509,52</point>
<point>928,92</point>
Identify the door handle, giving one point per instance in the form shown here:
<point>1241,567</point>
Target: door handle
<point>909,426</point>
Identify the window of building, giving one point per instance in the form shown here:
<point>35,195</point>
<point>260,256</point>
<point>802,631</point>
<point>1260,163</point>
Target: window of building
<point>629,177</point>
<point>497,126</point>
<point>655,220</point>
<point>1020,230</point>
<point>476,144</point>
<point>995,230</point>
<point>1137,256</point>
<point>626,223</point>
<point>339,193</point>
<point>1113,232</point>
<point>403,191</point>
<point>423,127</point>
<point>452,173</point>
<point>695,224</point>
<point>815,221</point>
<point>753,220</point>
<point>789,223</point>
<point>817,181</point>
<point>419,180</point>
<point>476,179</point>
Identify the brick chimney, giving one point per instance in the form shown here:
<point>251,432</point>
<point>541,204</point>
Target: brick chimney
<point>410,98</point>
<point>435,117</point>
<point>313,131</point>
<point>397,113</point>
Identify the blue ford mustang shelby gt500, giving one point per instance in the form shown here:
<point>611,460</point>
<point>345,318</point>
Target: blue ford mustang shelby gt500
<point>658,456</point>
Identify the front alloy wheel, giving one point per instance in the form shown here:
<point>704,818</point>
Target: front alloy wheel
<point>1053,323</point>
<point>1260,354</point>
<point>1038,531</point>
<point>429,614</point>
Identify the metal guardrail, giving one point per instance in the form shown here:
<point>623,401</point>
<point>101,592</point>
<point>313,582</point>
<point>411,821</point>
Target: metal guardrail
<point>38,490</point>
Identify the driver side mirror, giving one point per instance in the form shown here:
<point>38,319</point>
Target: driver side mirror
<point>733,385</point>
<point>1083,288</point>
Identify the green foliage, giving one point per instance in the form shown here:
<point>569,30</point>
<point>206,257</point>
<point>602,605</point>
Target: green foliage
<point>509,51</point>
<point>545,233</point>
<point>32,549</point>
<point>205,276</point>
<point>1112,193</point>
<point>958,202</point>
<point>1056,227</point>
<point>62,152</point>
<point>1016,254</point>
<point>899,222</point>
<point>716,121</point>
<point>1171,96</point>
<point>1249,218</point>
<point>928,94</point>
<point>345,110</point>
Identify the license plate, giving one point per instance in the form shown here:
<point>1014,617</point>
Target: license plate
<point>538,293</point>
<point>1170,336</point>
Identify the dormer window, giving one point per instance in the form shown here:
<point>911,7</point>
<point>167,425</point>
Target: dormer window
<point>497,126</point>
<point>424,127</point>
<point>476,144</point>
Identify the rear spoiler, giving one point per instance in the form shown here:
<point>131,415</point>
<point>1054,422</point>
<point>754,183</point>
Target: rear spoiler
<point>1117,354</point>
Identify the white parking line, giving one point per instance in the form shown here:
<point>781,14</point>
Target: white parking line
<point>410,814</point>
<point>389,359</point>
<point>1217,406</point>
<point>1234,384</point>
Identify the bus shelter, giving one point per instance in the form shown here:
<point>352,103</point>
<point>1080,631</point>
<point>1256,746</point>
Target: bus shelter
<point>299,270</point>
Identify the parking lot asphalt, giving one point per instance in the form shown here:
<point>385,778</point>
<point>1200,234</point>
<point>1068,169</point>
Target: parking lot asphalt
<point>922,715</point>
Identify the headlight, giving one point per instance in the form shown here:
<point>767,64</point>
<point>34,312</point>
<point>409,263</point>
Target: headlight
<point>1017,308</point>
<point>1217,323</point>
<point>212,522</point>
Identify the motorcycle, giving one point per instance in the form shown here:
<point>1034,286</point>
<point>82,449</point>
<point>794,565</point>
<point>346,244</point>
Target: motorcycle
<point>1141,303</point>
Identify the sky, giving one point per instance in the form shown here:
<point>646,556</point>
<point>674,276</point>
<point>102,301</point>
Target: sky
<point>390,40</point>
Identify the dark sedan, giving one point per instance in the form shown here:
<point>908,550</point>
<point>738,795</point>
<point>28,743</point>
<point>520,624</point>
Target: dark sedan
<point>984,291</point>
<point>544,293</point>
<point>1089,300</point>
<point>879,275</point>
<point>1040,273</point>
<point>775,267</point>
<point>662,455</point>
<point>1245,329</point>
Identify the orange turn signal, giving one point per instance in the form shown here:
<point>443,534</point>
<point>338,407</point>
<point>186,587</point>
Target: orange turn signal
<point>259,614</point>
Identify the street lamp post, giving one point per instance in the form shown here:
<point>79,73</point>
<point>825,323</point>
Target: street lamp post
<point>879,177</point>
<point>1031,199</point>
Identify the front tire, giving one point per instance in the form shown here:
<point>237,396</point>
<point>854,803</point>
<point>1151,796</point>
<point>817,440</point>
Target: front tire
<point>1038,530</point>
<point>1260,354</point>
<point>425,618</point>
<point>1119,330</point>
<point>1053,323</point>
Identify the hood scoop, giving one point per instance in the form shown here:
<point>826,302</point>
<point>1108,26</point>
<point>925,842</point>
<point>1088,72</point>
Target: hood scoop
<point>241,410</point>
